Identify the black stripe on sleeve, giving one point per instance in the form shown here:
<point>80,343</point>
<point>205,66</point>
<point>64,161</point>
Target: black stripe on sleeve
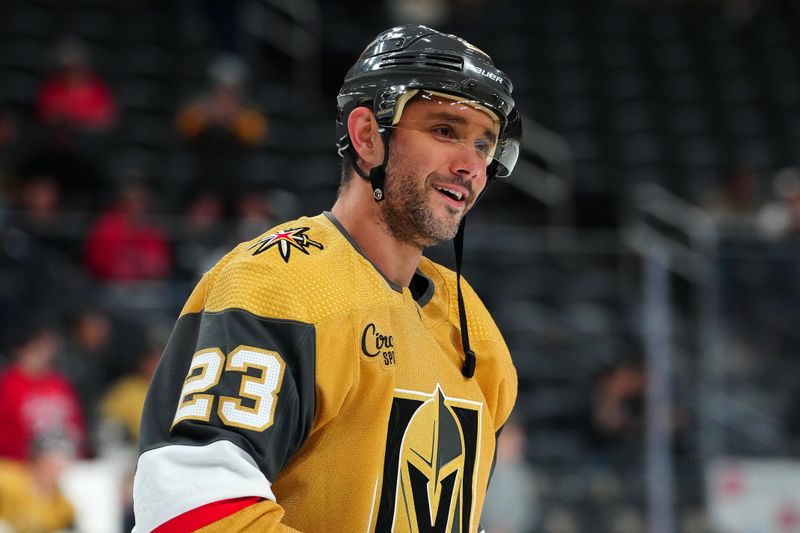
<point>227,330</point>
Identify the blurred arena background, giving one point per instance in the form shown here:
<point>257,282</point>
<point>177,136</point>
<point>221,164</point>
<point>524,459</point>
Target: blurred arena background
<point>642,262</point>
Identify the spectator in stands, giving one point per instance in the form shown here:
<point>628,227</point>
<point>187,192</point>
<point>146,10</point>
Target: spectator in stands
<point>35,398</point>
<point>37,210</point>
<point>31,500</point>
<point>224,107</point>
<point>87,357</point>
<point>202,234</point>
<point>40,212</point>
<point>121,412</point>
<point>780,218</point>
<point>121,407</point>
<point>737,202</point>
<point>739,210</point>
<point>124,244</point>
<point>511,502</point>
<point>617,411</point>
<point>221,127</point>
<point>74,95</point>
<point>254,214</point>
<point>617,416</point>
<point>40,201</point>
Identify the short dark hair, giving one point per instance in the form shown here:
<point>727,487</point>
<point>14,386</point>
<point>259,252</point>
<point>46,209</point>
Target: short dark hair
<point>348,173</point>
<point>348,170</point>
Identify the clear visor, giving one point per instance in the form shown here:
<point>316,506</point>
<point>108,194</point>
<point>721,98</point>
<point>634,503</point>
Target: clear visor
<point>458,121</point>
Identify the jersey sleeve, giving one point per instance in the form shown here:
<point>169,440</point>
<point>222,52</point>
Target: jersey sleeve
<point>232,400</point>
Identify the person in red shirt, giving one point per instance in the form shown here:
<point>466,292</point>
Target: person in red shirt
<point>35,399</point>
<point>123,243</point>
<point>75,95</point>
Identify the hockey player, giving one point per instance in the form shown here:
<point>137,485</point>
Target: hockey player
<point>325,376</point>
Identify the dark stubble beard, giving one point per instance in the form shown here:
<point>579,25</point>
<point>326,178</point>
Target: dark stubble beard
<point>406,212</point>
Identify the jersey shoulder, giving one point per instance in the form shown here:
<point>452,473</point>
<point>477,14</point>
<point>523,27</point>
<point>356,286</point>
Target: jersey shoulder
<point>303,270</point>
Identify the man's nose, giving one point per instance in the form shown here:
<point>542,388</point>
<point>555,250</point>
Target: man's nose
<point>468,162</point>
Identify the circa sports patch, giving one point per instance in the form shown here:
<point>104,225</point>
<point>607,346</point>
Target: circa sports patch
<point>285,240</point>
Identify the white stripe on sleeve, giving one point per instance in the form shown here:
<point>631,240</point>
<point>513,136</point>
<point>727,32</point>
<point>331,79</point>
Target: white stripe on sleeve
<point>172,480</point>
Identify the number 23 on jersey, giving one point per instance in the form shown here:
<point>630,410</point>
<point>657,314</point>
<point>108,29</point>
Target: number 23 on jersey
<point>198,397</point>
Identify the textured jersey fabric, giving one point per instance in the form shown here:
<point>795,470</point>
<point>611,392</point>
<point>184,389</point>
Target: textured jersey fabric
<point>302,384</point>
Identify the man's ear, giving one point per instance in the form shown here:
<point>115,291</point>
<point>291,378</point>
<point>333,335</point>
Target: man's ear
<point>364,136</point>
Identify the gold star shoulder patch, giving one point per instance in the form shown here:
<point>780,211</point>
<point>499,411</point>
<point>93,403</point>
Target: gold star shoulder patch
<point>286,240</point>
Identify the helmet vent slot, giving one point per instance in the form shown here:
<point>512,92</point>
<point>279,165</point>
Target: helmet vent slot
<point>444,61</point>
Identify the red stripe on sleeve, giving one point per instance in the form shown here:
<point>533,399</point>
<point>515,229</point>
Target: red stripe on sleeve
<point>205,515</point>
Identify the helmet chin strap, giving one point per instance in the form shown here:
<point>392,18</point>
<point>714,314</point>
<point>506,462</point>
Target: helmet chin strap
<point>377,174</point>
<point>377,177</point>
<point>468,368</point>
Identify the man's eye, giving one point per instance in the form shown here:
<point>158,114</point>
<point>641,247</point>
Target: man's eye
<point>443,131</point>
<point>483,146</point>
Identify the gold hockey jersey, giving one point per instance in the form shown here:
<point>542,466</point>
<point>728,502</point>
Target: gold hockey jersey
<point>302,390</point>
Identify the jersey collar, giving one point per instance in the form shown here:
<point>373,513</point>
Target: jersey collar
<point>421,286</point>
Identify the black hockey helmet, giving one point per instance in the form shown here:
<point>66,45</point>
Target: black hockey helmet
<point>413,58</point>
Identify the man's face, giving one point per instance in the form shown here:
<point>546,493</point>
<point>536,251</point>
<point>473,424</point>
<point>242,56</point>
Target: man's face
<point>437,168</point>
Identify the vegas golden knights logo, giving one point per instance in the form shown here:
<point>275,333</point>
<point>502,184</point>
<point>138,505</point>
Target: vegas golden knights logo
<point>430,466</point>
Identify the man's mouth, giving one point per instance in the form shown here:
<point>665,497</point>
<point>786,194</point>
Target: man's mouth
<point>458,196</point>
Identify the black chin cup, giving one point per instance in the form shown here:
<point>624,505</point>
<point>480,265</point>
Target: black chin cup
<point>377,176</point>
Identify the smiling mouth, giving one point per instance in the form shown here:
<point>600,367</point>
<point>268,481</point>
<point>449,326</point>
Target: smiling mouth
<point>455,195</point>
